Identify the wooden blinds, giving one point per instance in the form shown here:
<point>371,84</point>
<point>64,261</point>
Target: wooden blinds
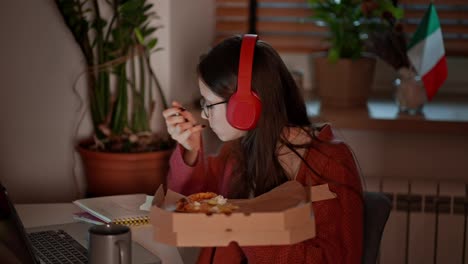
<point>287,26</point>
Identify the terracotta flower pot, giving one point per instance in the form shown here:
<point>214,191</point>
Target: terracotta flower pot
<point>124,173</point>
<point>346,83</point>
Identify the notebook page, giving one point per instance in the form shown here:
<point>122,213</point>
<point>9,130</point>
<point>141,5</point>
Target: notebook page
<point>114,208</point>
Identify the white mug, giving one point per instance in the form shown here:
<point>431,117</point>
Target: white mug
<point>110,243</point>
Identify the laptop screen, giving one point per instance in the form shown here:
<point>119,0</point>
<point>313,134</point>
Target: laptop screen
<point>14,246</point>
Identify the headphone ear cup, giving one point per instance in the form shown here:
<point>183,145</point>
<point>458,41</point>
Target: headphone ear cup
<point>243,110</point>
<point>244,106</point>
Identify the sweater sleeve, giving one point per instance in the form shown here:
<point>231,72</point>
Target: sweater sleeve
<point>205,175</point>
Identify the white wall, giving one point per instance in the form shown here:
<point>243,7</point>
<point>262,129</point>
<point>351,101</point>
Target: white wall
<point>188,31</point>
<point>382,154</point>
<point>40,63</point>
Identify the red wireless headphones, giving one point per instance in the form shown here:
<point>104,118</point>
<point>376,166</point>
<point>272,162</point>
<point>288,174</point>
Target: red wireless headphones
<point>244,106</point>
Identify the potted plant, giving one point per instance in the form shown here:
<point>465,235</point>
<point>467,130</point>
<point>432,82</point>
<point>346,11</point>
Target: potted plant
<point>123,155</point>
<point>344,77</point>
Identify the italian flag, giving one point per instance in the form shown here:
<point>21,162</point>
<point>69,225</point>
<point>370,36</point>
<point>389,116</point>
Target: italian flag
<point>427,54</point>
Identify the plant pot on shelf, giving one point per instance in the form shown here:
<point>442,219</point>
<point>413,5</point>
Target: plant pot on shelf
<point>124,173</point>
<point>346,83</point>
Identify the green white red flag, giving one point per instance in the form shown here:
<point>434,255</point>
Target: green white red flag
<point>427,53</point>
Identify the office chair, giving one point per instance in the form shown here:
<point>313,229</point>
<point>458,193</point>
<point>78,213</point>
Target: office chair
<point>377,208</point>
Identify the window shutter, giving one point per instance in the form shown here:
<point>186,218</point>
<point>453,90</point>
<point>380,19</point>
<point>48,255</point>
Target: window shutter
<point>284,24</point>
<point>287,26</point>
<point>232,17</point>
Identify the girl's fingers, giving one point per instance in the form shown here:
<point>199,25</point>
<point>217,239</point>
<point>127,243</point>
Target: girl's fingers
<point>173,120</point>
<point>176,104</point>
<point>176,110</point>
<point>180,122</point>
<point>173,111</point>
<point>189,116</point>
<point>179,128</point>
<point>187,133</point>
<point>183,126</point>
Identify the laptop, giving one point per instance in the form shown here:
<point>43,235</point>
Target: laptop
<point>65,243</point>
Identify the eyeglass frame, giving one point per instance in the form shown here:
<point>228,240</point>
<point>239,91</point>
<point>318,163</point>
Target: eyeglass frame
<point>205,108</point>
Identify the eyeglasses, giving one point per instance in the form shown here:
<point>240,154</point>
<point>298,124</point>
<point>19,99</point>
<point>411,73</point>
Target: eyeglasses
<point>205,108</point>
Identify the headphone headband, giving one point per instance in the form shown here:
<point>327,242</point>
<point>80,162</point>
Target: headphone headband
<point>244,77</point>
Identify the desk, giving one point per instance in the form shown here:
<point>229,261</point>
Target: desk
<point>34,215</point>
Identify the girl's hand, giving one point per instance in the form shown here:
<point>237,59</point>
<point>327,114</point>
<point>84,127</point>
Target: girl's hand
<point>183,127</point>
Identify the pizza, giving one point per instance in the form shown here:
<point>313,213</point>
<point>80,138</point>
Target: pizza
<point>205,202</point>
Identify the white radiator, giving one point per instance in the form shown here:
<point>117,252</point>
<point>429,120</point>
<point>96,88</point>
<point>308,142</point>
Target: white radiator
<point>427,223</point>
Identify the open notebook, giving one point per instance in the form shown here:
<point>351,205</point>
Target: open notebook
<point>118,209</point>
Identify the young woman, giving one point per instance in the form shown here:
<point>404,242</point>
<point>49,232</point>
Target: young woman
<point>283,146</point>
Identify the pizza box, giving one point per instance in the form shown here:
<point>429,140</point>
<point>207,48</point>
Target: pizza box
<point>282,216</point>
<point>243,237</point>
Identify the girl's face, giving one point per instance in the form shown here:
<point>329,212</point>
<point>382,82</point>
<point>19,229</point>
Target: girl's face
<point>217,115</point>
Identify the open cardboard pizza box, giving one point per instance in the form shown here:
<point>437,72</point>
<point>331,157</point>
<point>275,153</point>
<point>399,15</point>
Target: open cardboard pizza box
<point>282,216</point>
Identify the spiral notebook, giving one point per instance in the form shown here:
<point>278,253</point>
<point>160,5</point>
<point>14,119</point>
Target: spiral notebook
<point>118,209</point>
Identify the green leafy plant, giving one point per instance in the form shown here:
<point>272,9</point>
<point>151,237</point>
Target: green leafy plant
<point>120,81</point>
<point>351,22</point>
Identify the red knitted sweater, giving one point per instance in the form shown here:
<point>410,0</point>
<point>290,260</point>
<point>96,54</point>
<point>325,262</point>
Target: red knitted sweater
<point>339,222</point>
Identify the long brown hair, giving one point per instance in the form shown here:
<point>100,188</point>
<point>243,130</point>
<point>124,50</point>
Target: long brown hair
<point>257,169</point>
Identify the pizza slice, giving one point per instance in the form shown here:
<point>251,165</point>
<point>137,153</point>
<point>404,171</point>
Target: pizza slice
<point>205,202</point>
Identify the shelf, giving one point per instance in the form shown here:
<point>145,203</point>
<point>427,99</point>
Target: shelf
<point>442,116</point>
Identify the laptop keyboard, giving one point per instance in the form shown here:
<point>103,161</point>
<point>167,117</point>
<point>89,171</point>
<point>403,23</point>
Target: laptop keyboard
<point>57,247</point>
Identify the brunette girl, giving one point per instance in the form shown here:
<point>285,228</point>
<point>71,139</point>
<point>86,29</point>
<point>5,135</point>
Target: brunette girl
<point>282,146</point>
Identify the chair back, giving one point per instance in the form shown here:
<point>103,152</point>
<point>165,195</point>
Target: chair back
<point>377,208</point>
